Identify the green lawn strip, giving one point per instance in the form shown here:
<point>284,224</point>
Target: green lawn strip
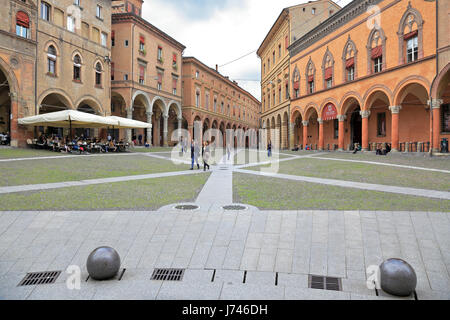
<point>13,153</point>
<point>81,168</point>
<point>280,194</point>
<point>423,161</point>
<point>366,173</point>
<point>148,194</point>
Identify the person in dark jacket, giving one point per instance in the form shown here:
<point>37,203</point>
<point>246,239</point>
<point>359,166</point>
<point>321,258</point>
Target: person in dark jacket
<point>194,154</point>
<point>269,149</point>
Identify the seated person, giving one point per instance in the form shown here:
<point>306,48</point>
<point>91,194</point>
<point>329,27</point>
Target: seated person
<point>307,147</point>
<point>296,148</point>
<point>111,146</point>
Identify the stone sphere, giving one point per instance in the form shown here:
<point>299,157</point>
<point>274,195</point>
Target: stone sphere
<point>103,263</point>
<point>397,277</point>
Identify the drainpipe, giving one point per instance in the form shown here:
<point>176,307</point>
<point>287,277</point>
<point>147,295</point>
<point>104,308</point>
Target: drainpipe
<point>36,71</point>
<point>432,83</point>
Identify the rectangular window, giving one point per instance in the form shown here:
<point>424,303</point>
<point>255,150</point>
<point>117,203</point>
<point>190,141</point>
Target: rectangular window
<point>112,71</point>
<point>126,43</point>
<point>273,58</point>
<point>381,124</point>
<point>141,74</point>
<point>174,86</point>
<point>45,11</point>
<point>159,84</point>
<point>125,77</point>
<point>311,86</point>
<point>51,66</point>
<point>76,2</point>
<point>104,39</point>
<point>287,91</point>
<point>279,51</point>
<point>71,23</point>
<point>279,95</point>
<point>197,99</point>
<point>21,31</point>
<point>378,64</point>
<point>98,12</point>
<point>141,44</point>
<point>160,54</point>
<point>329,83</point>
<point>350,73</point>
<point>412,49</point>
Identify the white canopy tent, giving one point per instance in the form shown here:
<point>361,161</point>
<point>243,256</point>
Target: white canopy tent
<point>125,123</point>
<point>69,119</point>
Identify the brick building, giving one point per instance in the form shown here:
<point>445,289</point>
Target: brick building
<point>365,75</point>
<point>146,75</point>
<point>215,101</point>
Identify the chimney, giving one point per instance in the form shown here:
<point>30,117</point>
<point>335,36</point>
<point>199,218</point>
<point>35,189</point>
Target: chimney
<point>217,68</point>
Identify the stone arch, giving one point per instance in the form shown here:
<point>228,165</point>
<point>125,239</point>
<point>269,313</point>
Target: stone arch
<point>155,101</point>
<point>380,88</point>
<point>293,111</point>
<point>308,109</point>
<point>405,21</point>
<point>93,102</point>
<point>406,82</point>
<point>178,107</point>
<point>376,34</point>
<point>145,97</point>
<point>343,106</point>
<point>349,51</point>
<point>441,82</point>
<point>59,94</point>
<point>327,62</point>
<point>77,52</point>
<point>325,102</point>
<point>10,76</point>
<point>54,44</point>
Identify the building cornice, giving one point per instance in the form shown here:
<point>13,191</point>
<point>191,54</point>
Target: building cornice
<point>351,11</point>
<point>131,17</point>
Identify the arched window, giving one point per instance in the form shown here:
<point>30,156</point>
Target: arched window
<point>349,61</point>
<point>98,74</point>
<point>51,60</point>
<point>328,69</point>
<point>77,68</point>
<point>376,51</point>
<point>22,24</point>
<point>296,83</point>
<point>410,36</point>
<point>310,76</point>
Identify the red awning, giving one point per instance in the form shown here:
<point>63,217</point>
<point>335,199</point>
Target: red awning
<point>377,52</point>
<point>349,63</point>
<point>113,34</point>
<point>296,85</point>
<point>329,112</point>
<point>22,19</point>
<point>410,35</point>
<point>328,73</point>
<point>141,72</point>
<point>159,77</point>
<point>311,78</point>
<point>142,39</point>
<point>174,57</point>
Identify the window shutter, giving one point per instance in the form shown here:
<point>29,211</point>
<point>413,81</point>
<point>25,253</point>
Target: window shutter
<point>174,58</point>
<point>22,19</point>
<point>328,73</point>
<point>174,83</point>
<point>113,34</point>
<point>142,39</point>
<point>296,85</point>
<point>349,63</point>
<point>377,52</point>
<point>410,35</point>
<point>141,72</point>
<point>311,78</point>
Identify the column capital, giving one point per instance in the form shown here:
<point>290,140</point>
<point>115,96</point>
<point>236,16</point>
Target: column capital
<point>165,116</point>
<point>395,109</point>
<point>364,113</point>
<point>149,114</point>
<point>319,120</point>
<point>435,103</point>
<point>305,123</point>
<point>341,118</point>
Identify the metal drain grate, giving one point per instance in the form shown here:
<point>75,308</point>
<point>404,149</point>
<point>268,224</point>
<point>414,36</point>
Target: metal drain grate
<point>34,278</point>
<point>186,207</point>
<point>234,207</point>
<point>325,283</point>
<point>168,274</point>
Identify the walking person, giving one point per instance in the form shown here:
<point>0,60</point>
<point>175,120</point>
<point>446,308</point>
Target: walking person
<point>269,149</point>
<point>140,139</point>
<point>206,153</point>
<point>194,154</point>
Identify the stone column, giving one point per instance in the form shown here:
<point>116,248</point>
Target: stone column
<point>165,130</point>
<point>305,133</point>
<point>129,116</point>
<point>395,110</point>
<point>321,139</point>
<point>435,105</point>
<point>341,119</point>
<point>149,130</point>
<point>365,129</point>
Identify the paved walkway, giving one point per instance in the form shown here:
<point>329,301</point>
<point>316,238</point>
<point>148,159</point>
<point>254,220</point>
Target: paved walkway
<point>218,247</point>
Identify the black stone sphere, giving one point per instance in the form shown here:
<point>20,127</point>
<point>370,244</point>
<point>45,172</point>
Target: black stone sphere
<point>397,277</point>
<point>103,263</point>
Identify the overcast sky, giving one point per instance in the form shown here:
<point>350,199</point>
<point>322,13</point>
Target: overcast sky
<point>217,32</point>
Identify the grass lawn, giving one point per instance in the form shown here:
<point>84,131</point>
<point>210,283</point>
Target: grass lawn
<point>367,173</point>
<point>152,149</point>
<point>148,194</point>
<point>12,153</point>
<point>280,194</point>
<point>396,158</point>
<point>81,168</point>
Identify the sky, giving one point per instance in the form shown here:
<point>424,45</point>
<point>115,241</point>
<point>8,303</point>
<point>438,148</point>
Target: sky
<point>217,32</point>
